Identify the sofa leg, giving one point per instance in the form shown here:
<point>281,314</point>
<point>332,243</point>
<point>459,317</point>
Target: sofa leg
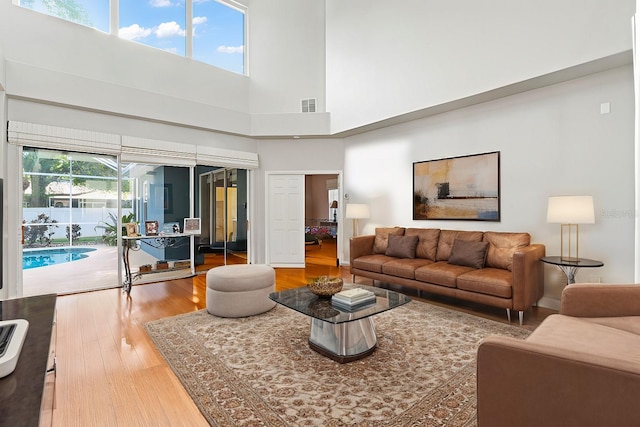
<point>509,315</point>
<point>353,278</point>
<point>520,316</point>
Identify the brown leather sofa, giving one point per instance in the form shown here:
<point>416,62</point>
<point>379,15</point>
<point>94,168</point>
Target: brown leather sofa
<point>579,368</point>
<point>494,268</point>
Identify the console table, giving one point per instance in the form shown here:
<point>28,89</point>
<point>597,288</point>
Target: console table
<point>26,395</point>
<point>159,242</point>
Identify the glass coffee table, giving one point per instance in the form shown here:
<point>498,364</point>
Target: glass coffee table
<point>340,334</point>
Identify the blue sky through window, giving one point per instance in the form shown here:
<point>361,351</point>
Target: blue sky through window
<point>157,23</point>
<point>218,35</point>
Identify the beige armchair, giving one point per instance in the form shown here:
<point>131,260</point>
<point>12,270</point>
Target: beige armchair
<point>578,368</point>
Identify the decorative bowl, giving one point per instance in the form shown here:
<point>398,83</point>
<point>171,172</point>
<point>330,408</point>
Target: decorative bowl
<point>325,286</point>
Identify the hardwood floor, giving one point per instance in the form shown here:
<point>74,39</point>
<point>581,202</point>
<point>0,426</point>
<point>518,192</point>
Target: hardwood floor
<point>109,372</point>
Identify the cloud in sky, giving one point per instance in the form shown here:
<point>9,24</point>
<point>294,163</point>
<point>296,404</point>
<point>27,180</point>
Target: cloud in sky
<point>134,32</point>
<point>169,29</point>
<point>230,49</point>
<point>197,20</point>
<point>160,3</point>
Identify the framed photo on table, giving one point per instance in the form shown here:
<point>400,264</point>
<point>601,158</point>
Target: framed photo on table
<point>191,226</point>
<point>151,228</point>
<point>132,229</point>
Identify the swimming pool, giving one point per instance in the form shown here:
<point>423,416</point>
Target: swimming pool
<point>34,258</point>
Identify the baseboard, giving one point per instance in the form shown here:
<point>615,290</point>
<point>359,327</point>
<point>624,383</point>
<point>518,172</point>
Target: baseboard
<point>551,303</point>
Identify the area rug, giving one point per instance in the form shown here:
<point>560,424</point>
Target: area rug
<point>260,371</point>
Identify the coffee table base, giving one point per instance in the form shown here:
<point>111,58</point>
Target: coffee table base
<point>343,342</point>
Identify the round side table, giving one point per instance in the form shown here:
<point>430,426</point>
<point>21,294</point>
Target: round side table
<point>570,267</point>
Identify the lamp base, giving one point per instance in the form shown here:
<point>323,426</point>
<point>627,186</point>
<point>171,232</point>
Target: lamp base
<point>569,242</point>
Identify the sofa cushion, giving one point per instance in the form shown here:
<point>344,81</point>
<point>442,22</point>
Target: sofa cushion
<point>404,267</point>
<point>382,238</point>
<point>502,246</point>
<point>625,323</point>
<point>401,246</point>
<point>441,273</point>
<point>447,237</point>
<point>371,262</point>
<point>488,281</point>
<point>427,241</point>
<point>470,254</point>
<point>585,340</point>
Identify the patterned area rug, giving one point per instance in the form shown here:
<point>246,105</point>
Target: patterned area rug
<point>260,371</point>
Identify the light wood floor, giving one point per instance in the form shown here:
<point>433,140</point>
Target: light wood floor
<point>109,372</point>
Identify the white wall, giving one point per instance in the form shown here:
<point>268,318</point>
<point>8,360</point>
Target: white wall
<point>388,58</point>
<point>287,56</point>
<point>552,141</point>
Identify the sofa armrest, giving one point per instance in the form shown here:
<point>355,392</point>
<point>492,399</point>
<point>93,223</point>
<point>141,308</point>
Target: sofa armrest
<point>359,246</point>
<point>528,276</point>
<point>596,300</point>
<point>523,384</point>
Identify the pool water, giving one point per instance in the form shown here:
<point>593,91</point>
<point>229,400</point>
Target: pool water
<point>44,257</point>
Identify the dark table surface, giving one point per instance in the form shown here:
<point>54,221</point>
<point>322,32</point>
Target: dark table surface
<point>304,301</point>
<point>580,262</point>
<point>21,391</point>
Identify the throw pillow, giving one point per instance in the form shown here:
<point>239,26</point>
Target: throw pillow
<point>447,237</point>
<point>502,247</point>
<point>469,254</point>
<point>382,238</point>
<point>402,246</point>
<point>427,241</point>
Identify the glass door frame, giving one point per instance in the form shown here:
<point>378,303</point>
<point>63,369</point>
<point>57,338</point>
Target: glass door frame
<point>216,214</point>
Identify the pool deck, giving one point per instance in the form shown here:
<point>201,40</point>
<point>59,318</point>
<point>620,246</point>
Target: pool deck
<point>98,271</point>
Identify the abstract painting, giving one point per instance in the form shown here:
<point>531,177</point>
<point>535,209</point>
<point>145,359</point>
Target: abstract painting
<point>458,188</point>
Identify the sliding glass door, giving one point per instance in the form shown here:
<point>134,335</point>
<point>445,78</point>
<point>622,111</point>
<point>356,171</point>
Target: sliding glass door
<point>71,219</point>
<point>223,211</point>
<point>156,203</point>
<point>66,199</point>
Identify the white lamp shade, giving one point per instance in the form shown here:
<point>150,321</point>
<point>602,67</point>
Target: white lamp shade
<point>571,210</point>
<point>357,211</point>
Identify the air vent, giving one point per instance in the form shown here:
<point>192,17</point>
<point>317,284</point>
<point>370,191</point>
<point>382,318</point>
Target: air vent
<point>308,105</point>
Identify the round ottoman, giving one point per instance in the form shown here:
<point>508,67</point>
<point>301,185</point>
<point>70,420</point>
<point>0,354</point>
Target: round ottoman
<point>240,290</point>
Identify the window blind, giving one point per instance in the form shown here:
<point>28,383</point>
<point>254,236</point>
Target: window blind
<point>64,139</point>
<point>212,156</point>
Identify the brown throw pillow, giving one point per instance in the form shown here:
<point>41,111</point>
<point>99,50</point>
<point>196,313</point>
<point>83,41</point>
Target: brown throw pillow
<point>402,246</point>
<point>382,238</point>
<point>468,254</point>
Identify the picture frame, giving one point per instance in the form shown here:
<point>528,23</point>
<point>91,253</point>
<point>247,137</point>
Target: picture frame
<point>191,226</point>
<point>132,229</point>
<point>151,228</point>
<point>457,188</point>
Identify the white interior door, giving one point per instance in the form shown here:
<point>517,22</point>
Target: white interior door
<point>285,222</point>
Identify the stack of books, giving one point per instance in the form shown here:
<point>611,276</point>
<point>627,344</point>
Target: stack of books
<point>353,299</point>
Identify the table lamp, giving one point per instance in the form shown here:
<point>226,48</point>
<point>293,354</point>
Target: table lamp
<point>569,211</point>
<point>356,211</point>
<point>334,206</point>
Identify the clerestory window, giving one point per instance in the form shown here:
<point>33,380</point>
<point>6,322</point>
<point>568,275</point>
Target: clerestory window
<point>209,31</point>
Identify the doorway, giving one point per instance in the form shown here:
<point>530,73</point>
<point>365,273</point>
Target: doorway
<point>66,196</point>
<point>321,219</point>
<point>223,194</point>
